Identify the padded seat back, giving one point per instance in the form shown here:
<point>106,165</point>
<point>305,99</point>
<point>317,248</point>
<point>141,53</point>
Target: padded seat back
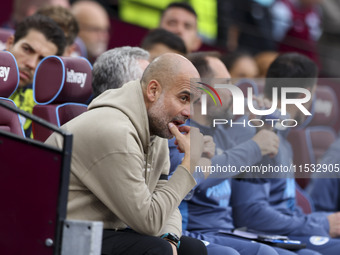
<point>9,81</point>
<point>61,87</point>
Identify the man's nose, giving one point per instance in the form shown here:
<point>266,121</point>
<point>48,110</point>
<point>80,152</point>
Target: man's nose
<point>32,62</point>
<point>186,111</point>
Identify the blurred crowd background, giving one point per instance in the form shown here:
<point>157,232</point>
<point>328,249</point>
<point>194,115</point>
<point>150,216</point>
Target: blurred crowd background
<point>229,25</point>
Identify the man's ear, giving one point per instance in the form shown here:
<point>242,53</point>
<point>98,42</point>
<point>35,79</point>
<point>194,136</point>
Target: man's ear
<point>69,49</point>
<point>153,91</point>
<point>9,42</point>
<point>312,91</point>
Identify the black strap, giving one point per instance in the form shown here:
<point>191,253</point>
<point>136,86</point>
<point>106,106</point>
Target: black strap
<point>163,177</point>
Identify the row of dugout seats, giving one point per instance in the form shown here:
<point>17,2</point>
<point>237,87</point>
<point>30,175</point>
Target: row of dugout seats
<point>9,81</point>
<point>61,87</point>
<point>35,177</point>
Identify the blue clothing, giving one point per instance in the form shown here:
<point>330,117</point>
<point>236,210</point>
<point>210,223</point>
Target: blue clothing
<point>325,193</point>
<point>220,249</point>
<point>268,205</point>
<point>322,244</point>
<point>209,211</point>
<point>244,246</point>
<point>209,208</point>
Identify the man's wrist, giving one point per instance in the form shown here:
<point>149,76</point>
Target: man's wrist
<point>171,238</point>
<point>170,241</point>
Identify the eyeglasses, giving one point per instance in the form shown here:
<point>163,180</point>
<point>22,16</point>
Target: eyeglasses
<point>94,29</point>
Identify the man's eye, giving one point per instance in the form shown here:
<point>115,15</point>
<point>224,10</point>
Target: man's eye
<point>188,26</point>
<point>185,98</point>
<point>172,23</point>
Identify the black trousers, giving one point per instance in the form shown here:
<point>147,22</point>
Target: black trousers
<point>128,242</point>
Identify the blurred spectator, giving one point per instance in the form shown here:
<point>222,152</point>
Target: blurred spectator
<point>118,66</point>
<point>263,61</point>
<point>25,8</point>
<point>251,26</point>
<point>159,41</point>
<point>330,40</point>
<point>181,19</point>
<point>94,25</point>
<point>240,65</point>
<point>68,23</point>
<point>36,37</point>
<point>297,26</point>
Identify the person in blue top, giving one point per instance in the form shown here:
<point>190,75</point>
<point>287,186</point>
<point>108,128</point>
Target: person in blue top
<point>268,204</point>
<point>325,192</point>
<point>207,213</point>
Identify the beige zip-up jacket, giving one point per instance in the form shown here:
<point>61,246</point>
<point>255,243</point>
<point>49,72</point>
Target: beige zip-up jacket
<point>116,167</point>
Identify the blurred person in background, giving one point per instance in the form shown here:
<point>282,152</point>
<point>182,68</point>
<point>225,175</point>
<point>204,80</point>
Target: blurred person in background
<point>297,26</point>
<point>328,45</point>
<point>240,64</point>
<point>25,8</point>
<point>159,41</point>
<point>94,26</point>
<point>118,66</point>
<point>35,38</point>
<point>181,19</point>
<point>263,61</point>
<point>67,22</point>
<point>250,26</point>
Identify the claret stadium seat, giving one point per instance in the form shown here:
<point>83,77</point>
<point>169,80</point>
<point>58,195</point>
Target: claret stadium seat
<point>61,87</point>
<point>9,81</point>
<point>34,177</point>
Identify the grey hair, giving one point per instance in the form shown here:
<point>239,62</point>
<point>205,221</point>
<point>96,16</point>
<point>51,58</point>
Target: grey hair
<point>116,67</point>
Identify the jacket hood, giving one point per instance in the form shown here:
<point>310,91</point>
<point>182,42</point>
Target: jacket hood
<point>129,100</point>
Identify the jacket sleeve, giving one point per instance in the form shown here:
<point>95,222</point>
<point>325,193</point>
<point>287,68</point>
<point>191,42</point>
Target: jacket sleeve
<point>325,194</point>
<point>174,223</point>
<point>244,154</point>
<point>251,208</point>
<point>117,180</point>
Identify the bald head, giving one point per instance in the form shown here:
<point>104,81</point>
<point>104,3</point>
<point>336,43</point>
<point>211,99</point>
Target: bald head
<point>167,68</point>
<point>87,8</point>
<point>168,91</point>
<point>218,68</point>
<point>94,25</point>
